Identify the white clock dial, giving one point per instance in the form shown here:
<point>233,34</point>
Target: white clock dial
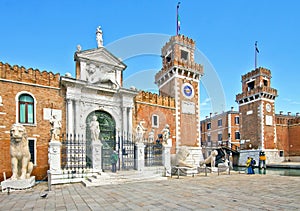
<point>268,107</point>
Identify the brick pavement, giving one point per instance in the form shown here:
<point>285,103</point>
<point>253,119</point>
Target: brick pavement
<point>224,192</point>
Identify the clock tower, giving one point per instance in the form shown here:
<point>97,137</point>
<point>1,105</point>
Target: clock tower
<point>179,78</point>
<point>257,110</point>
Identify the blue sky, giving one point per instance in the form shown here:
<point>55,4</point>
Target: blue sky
<point>44,35</point>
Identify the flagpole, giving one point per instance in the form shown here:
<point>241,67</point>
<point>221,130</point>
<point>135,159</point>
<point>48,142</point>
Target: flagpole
<point>255,57</point>
<point>177,18</point>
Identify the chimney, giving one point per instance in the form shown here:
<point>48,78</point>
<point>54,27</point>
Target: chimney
<point>297,114</point>
<point>280,112</point>
<point>289,113</point>
<point>231,108</point>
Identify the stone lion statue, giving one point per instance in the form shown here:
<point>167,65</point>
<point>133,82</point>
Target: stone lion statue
<point>19,153</point>
<point>179,159</point>
<point>210,159</point>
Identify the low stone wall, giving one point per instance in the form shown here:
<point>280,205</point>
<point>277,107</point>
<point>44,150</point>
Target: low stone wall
<point>272,156</point>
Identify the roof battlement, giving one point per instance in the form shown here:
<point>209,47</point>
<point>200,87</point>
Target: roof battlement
<point>179,39</point>
<point>155,99</point>
<point>258,71</point>
<point>34,76</point>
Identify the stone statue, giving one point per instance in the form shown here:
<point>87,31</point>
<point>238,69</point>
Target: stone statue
<point>166,134</point>
<point>19,153</point>
<point>139,133</point>
<point>211,159</point>
<point>95,129</point>
<point>179,159</point>
<point>151,136</point>
<point>99,37</point>
<point>55,128</point>
<point>78,48</point>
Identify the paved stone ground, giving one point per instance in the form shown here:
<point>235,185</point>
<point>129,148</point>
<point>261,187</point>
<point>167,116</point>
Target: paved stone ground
<point>224,192</point>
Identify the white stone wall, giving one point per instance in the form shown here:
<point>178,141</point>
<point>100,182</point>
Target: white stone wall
<point>272,156</point>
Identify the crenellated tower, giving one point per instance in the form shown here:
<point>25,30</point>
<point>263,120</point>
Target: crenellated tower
<point>179,78</point>
<point>257,110</point>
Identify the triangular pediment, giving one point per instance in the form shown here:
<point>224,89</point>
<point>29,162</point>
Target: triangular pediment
<point>99,56</point>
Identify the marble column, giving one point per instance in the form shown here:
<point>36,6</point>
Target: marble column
<point>70,117</point>
<point>124,115</point>
<point>130,120</point>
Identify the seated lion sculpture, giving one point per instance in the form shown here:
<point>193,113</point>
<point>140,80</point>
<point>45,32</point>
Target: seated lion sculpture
<point>19,153</point>
<point>179,159</point>
<point>210,159</point>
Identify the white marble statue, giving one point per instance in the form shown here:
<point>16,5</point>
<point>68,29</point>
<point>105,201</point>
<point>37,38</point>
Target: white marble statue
<point>166,134</point>
<point>211,159</point>
<point>151,136</point>
<point>179,159</point>
<point>139,133</point>
<point>95,129</point>
<point>99,37</point>
<point>78,48</point>
<point>19,153</point>
<point>55,128</point>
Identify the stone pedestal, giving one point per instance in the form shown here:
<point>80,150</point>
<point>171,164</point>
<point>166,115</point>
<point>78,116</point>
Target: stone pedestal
<point>54,157</point>
<point>18,184</point>
<point>166,157</point>
<point>96,147</point>
<point>140,159</point>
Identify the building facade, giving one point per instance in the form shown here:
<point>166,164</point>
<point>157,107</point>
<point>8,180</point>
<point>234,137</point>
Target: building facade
<point>31,97</point>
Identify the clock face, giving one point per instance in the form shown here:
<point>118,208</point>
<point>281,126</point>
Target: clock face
<point>268,107</point>
<point>187,90</point>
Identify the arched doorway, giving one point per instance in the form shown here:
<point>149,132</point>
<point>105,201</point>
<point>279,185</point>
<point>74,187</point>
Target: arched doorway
<point>107,136</point>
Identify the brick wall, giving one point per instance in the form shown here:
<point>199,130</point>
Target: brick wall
<point>148,104</point>
<point>45,88</point>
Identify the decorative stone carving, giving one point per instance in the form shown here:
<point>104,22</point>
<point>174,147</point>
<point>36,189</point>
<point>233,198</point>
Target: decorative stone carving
<point>139,133</point>
<point>19,153</point>
<point>179,159</point>
<point>101,75</point>
<point>95,129</point>
<point>54,156</point>
<point>55,128</point>
<point>151,136</point>
<point>166,136</point>
<point>99,37</point>
<point>211,159</point>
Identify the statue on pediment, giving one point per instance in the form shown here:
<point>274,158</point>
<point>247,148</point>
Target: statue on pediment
<point>99,37</point>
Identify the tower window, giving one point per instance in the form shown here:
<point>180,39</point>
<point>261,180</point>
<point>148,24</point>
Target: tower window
<point>250,85</point>
<point>184,55</point>
<point>168,58</point>
<point>265,82</point>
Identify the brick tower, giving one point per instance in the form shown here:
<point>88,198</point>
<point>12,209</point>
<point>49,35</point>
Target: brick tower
<point>179,78</point>
<point>257,110</point>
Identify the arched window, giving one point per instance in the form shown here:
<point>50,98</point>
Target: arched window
<point>26,109</point>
